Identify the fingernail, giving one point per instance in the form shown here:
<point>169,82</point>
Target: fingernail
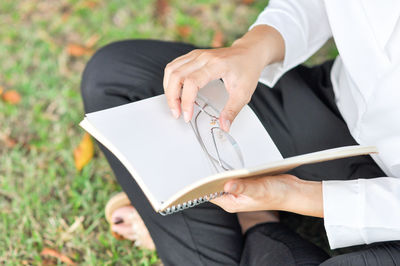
<point>186,116</point>
<point>175,113</point>
<point>227,125</point>
<point>232,188</point>
<point>118,220</point>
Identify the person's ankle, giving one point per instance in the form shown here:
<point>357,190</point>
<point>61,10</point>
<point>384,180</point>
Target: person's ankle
<point>250,219</point>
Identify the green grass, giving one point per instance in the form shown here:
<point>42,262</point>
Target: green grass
<point>44,201</point>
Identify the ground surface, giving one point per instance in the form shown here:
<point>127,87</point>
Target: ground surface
<point>45,203</point>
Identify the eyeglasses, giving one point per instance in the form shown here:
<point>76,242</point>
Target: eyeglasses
<point>220,147</point>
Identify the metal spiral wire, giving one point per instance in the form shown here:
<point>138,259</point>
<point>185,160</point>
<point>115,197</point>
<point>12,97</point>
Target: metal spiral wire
<point>190,203</point>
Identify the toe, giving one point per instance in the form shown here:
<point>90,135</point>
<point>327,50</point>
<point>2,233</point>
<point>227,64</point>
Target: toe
<point>128,223</point>
<point>122,215</point>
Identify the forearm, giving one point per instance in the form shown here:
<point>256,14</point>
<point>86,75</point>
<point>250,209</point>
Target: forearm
<point>266,42</point>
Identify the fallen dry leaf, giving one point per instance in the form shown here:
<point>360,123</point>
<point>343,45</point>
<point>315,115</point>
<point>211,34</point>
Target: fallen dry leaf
<point>78,50</point>
<point>53,253</point>
<point>161,9</point>
<point>90,4</point>
<point>84,152</point>
<point>247,2</point>
<point>92,41</point>
<point>8,141</point>
<point>65,16</point>
<point>11,97</point>
<point>66,12</point>
<point>184,31</point>
<point>218,39</point>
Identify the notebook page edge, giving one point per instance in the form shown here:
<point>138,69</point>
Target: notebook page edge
<point>284,164</point>
<point>321,156</point>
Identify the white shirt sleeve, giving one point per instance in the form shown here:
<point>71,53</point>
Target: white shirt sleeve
<point>304,27</point>
<point>361,211</point>
<point>364,210</point>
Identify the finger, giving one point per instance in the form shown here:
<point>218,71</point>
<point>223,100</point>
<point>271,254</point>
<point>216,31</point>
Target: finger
<point>192,84</point>
<point>249,188</point>
<point>227,202</point>
<point>173,93</point>
<point>232,107</point>
<point>176,63</point>
<point>213,69</point>
<point>176,83</point>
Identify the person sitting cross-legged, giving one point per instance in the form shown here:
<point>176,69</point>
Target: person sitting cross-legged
<point>351,100</point>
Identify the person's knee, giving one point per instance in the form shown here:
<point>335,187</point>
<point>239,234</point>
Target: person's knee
<point>109,57</point>
<point>99,71</point>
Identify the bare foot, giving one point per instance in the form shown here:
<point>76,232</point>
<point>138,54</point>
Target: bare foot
<point>127,222</point>
<point>250,219</point>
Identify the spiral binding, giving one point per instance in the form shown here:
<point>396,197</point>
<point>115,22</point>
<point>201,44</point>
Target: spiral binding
<point>191,203</point>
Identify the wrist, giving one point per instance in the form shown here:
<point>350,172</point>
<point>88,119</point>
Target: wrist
<point>265,43</point>
<point>304,197</point>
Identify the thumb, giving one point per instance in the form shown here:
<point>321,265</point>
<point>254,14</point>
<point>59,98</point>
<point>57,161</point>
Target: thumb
<point>241,187</point>
<point>230,111</point>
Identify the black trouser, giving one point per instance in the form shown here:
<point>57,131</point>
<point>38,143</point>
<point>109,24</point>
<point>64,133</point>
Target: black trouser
<point>300,115</point>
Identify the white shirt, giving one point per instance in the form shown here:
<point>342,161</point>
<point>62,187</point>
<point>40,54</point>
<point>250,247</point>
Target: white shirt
<point>366,82</point>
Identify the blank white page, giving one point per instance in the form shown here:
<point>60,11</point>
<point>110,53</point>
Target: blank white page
<point>162,153</point>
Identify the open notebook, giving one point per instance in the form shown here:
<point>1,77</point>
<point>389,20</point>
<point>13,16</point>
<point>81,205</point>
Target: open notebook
<point>167,160</point>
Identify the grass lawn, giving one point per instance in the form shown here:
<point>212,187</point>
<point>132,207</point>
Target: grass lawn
<point>44,45</point>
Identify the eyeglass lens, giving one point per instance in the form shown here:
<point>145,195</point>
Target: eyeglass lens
<point>221,147</point>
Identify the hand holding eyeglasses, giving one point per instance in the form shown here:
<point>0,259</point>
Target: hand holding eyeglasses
<point>239,66</point>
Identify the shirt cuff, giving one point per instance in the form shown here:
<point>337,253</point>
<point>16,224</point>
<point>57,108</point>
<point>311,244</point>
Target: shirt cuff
<point>342,212</point>
<point>295,43</point>
<point>387,148</point>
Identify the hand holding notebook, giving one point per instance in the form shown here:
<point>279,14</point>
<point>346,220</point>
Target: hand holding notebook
<point>178,164</point>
